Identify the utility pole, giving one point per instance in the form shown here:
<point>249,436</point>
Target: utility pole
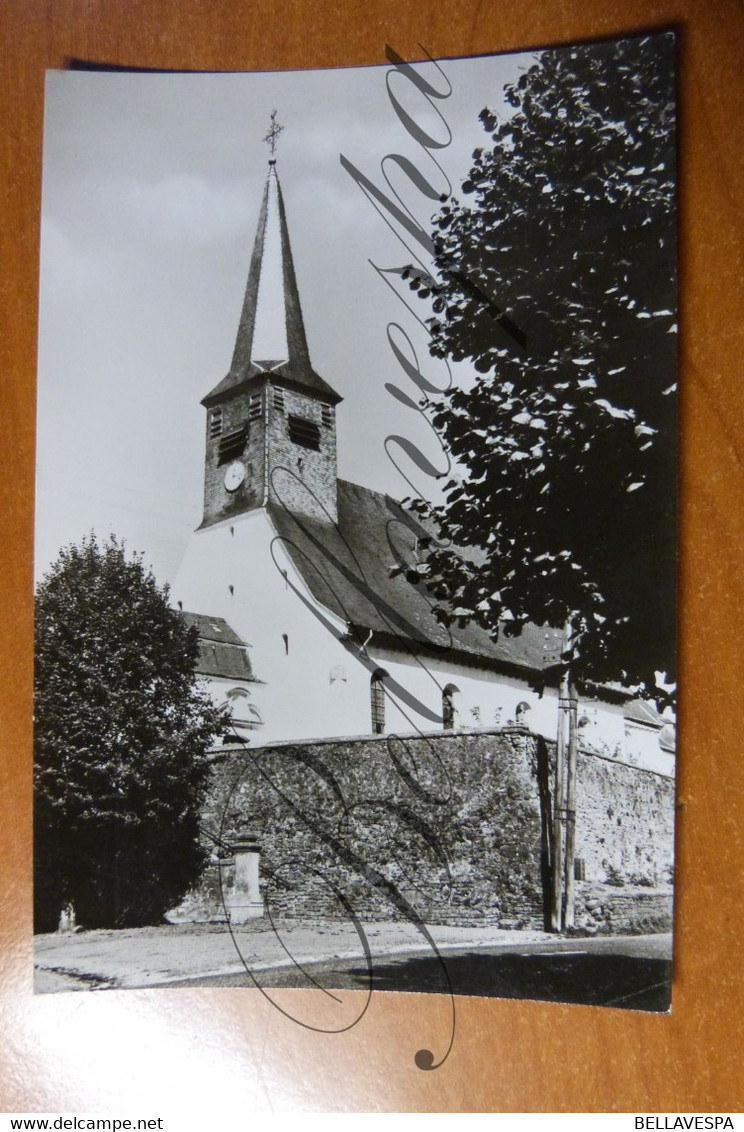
<point>564,800</point>
<point>559,806</point>
<point>568,909</point>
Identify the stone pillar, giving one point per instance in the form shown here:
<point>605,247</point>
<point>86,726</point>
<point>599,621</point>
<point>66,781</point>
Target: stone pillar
<point>244,902</point>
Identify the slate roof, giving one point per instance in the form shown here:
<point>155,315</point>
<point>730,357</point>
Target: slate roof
<point>271,340</point>
<point>640,711</point>
<point>221,650</point>
<point>668,739</point>
<point>644,713</point>
<point>349,569</point>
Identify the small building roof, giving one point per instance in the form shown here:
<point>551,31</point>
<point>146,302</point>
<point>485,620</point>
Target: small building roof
<point>221,650</point>
<point>644,713</point>
<point>668,739</point>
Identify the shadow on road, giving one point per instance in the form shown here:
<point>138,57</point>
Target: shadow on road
<point>623,981</point>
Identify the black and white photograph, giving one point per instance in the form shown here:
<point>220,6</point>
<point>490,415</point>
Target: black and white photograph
<point>355,565</point>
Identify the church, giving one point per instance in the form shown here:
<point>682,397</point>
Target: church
<point>311,618</point>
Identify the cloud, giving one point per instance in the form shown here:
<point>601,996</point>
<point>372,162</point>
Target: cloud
<point>185,207</point>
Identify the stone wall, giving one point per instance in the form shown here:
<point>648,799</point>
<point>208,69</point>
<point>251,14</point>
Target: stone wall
<point>448,828</point>
<point>452,828</point>
<point>625,822</point>
<point>603,909</point>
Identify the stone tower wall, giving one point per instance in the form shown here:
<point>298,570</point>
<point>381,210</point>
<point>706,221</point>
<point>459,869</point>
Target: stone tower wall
<point>218,502</point>
<point>301,479</point>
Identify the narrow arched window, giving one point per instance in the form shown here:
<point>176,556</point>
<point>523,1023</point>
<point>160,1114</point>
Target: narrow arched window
<point>377,701</point>
<point>243,710</point>
<point>449,707</point>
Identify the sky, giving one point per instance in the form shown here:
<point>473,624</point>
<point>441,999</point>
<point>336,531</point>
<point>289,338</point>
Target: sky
<point>152,186</point>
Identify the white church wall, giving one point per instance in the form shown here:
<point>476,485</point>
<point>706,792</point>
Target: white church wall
<point>311,686</point>
<point>482,698</point>
<point>486,699</point>
<point>642,748</point>
<point>626,741</point>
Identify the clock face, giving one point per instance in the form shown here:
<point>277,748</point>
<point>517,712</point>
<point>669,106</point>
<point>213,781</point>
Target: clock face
<point>234,475</point>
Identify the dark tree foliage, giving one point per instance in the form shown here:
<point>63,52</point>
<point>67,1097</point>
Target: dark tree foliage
<point>566,440</point>
<point>121,733</point>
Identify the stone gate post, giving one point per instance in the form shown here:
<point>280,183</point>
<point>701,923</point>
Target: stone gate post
<point>245,902</point>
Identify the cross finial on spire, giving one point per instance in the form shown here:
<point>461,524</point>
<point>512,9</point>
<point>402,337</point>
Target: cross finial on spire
<point>274,131</point>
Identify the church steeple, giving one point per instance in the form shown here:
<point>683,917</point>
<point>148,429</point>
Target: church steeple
<point>271,402</point>
<point>271,333</point>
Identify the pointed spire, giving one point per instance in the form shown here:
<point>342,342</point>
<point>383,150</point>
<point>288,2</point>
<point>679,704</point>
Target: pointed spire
<point>271,333</point>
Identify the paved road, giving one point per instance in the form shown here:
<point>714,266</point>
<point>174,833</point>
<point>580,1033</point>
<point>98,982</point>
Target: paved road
<point>631,972</point>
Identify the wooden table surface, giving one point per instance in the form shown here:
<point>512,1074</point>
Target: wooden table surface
<point>149,1052</point>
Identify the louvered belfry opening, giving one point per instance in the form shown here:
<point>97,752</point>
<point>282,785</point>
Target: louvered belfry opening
<point>232,444</point>
<point>215,422</point>
<point>304,432</point>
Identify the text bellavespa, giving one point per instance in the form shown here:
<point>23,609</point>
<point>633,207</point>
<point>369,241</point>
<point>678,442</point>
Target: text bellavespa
<point>697,1122</point>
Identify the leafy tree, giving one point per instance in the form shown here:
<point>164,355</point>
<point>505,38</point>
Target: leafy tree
<point>121,733</point>
<point>555,278</point>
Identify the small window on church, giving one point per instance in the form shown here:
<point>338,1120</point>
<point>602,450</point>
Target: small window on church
<point>215,423</point>
<point>377,701</point>
<point>279,400</point>
<point>232,445</point>
<point>326,415</point>
<point>305,433</point>
<point>254,407</point>
<point>244,713</point>
<point>449,707</point>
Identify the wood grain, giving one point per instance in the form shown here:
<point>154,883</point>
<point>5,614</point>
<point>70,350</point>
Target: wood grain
<point>151,1052</point>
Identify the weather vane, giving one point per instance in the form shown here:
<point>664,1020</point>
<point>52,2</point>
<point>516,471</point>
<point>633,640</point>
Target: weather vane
<point>274,131</point>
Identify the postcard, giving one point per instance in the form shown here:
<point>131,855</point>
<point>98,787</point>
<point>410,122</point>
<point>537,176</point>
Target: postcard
<point>355,531</point>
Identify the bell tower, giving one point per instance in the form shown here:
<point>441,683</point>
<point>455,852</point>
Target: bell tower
<point>271,422</point>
